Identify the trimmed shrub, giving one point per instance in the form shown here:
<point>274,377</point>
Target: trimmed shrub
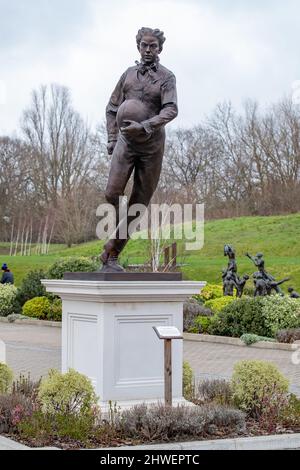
<point>8,294</point>
<point>71,392</point>
<point>55,313</point>
<point>288,336</point>
<point>13,408</point>
<point>161,423</point>
<point>249,339</point>
<point>31,287</point>
<point>74,264</point>
<point>262,316</point>
<point>217,390</point>
<point>6,378</point>
<point>217,305</point>
<point>258,387</point>
<point>279,313</point>
<point>200,325</point>
<point>191,310</point>
<point>39,307</point>
<point>211,291</point>
<point>187,380</point>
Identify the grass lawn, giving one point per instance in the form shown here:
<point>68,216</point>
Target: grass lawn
<point>277,237</point>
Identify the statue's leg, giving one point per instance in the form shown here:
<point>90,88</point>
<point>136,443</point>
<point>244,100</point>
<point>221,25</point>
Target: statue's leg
<point>121,168</point>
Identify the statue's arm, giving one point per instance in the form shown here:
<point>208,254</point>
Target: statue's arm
<point>115,101</point>
<point>169,109</point>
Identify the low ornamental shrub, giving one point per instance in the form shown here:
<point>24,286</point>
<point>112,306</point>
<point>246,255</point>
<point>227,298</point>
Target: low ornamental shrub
<point>200,325</point>
<point>216,390</point>
<point>31,287</point>
<point>39,307</point>
<point>191,310</point>
<point>55,313</point>
<point>210,292</point>
<point>259,388</point>
<point>8,294</point>
<point>159,423</point>
<point>70,393</point>
<point>262,316</point>
<point>290,415</point>
<point>14,407</point>
<point>217,305</point>
<point>74,264</point>
<point>279,313</point>
<point>187,380</point>
<point>6,378</point>
<point>288,336</point>
<point>249,339</point>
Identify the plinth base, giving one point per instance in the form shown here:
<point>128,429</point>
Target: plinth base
<point>107,332</point>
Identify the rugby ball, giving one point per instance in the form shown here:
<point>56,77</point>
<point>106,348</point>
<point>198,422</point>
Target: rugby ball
<point>133,110</point>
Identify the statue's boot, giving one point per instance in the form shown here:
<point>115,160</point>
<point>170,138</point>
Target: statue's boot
<point>110,263</point>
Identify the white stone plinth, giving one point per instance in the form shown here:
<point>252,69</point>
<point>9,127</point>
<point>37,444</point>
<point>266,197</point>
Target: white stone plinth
<point>107,335</point>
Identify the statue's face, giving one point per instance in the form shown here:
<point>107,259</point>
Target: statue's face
<point>149,48</point>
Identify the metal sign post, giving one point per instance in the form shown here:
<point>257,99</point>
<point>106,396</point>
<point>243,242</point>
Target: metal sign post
<point>167,333</point>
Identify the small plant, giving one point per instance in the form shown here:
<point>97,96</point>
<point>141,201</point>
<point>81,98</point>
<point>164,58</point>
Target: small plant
<point>31,287</point>
<point>187,380</point>
<point>8,294</point>
<point>216,390</point>
<point>13,408</point>
<point>291,414</point>
<point>249,339</point>
<point>6,378</point>
<point>55,313</point>
<point>71,392</point>
<point>157,422</point>
<point>74,264</point>
<point>211,291</point>
<point>39,307</point>
<point>217,305</point>
<point>257,383</point>
<point>200,325</point>
<point>288,336</point>
<point>191,310</point>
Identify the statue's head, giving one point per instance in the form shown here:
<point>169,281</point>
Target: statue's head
<point>290,290</point>
<point>228,249</point>
<point>150,43</point>
<point>259,255</point>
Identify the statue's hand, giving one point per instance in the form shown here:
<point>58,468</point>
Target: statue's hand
<point>110,147</point>
<point>132,129</point>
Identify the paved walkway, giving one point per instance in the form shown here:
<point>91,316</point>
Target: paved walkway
<point>36,349</point>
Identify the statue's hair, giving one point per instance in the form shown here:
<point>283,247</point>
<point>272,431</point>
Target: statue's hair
<point>154,32</point>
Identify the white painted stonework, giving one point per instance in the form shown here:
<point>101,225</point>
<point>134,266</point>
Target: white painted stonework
<point>107,334</point>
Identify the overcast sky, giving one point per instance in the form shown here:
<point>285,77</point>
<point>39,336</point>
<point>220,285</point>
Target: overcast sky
<point>218,49</point>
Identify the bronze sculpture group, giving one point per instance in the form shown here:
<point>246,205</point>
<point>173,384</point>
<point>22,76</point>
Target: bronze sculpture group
<point>264,283</point>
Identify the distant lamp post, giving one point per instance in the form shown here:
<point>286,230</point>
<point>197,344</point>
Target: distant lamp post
<point>167,333</point>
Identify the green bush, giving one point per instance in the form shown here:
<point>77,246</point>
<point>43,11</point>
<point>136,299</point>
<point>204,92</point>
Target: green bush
<point>200,325</point>
<point>279,313</point>
<point>217,390</point>
<point>249,339</point>
<point>74,264</point>
<point>39,307</point>
<point>31,287</point>
<point>6,378</point>
<point>257,386</point>
<point>187,380</point>
<point>71,392</point>
<point>216,305</point>
<point>191,310</point>
<point>45,427</point>
<point>8,294</point>
<point>211,291</point>
<point>55,313</point>
<point>262,316</point>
